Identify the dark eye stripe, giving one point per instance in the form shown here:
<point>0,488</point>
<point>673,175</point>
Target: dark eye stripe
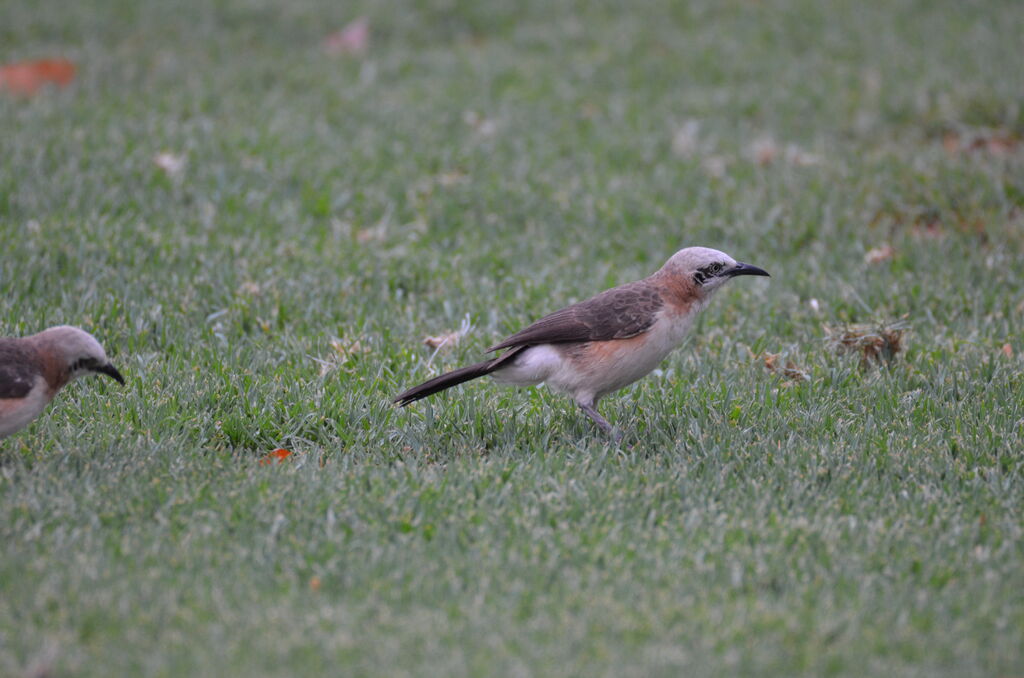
<point>705,272</point>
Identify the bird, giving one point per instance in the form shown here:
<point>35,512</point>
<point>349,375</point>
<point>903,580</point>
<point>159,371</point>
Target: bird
<point>35,368</point>
<point>600,345</point>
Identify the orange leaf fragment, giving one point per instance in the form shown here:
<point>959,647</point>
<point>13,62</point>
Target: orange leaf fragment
<point>27,77</point>
<point>1007,350</point>
<point>280,454</point>
<point>352,39</point>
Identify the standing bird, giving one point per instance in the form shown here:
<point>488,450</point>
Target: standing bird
<point>34,368</point>
<point>600,345</point>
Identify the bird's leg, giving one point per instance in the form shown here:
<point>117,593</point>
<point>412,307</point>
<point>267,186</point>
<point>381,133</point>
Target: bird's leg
<point>602,423</point>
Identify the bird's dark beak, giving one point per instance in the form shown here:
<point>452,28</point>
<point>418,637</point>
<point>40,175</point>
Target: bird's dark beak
<point>111,372</point>
<point>746,269</point>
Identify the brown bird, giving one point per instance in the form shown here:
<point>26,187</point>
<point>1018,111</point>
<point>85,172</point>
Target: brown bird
<point>600,345</point>
<point>34,368</point>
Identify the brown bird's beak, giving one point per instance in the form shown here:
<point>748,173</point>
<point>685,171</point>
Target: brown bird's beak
<point>111,372</point>
<point>746,269</point>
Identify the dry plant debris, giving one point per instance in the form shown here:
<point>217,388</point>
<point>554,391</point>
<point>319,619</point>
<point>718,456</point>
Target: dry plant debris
<point>449,339</point>
<point>787,369</point>
<point>879,254</point>
<point>875,344</point>
<point>343,351</point>
<point>991,141</point>
<point>172,164</point>
<point>353,39</point>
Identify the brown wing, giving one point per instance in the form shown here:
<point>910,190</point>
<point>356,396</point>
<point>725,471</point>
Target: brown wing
<point>618,313</point>
<point>18,370</point>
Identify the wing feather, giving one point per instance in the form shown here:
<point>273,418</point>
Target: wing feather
<point>619,313</point>
<point>18,372</point>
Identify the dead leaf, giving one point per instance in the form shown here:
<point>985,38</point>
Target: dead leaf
<point>441,340</point>
<point>1007,350</point>
<point>874,343</point>
<point>879,254</point>
<point>27,77</point>
<point>280,454</point>
<point>790,370</point>
<point>314,583</point>
<point>452,338</point>
<point>344,352</point>
<point>172,164</point>
<point>764,150</point>
<point>352,39</point>
<point>993,141</point>
<point>951,142</point>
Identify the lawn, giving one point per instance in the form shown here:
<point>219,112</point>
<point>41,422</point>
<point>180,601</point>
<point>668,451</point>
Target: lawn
<point>493,162</point>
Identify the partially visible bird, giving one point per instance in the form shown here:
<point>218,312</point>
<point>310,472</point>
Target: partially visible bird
<point>34,368</point>
<point>600,345</point>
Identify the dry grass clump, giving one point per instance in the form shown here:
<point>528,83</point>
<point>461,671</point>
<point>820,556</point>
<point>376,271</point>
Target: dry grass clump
<point>874,343</point>
<point>773,362</point>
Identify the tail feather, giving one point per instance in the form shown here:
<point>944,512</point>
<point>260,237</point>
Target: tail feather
<point>447,380</point>
<point>455,377</point>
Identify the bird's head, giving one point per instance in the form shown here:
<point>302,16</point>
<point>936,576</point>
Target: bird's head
<point>79,352</point>
<point>707,269</point>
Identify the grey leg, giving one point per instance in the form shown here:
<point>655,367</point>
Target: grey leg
<point>600,421</point>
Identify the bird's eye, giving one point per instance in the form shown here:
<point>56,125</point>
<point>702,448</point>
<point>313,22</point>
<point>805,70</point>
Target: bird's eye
<point>716,267</point>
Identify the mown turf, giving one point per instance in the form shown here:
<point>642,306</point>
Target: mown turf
<point>499,160</point>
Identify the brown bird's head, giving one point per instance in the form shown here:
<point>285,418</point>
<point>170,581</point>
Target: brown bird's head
<point>706,269</point>
<point>78,352</point>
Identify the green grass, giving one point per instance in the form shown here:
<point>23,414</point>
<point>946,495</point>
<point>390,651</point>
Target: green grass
<point>862,522</point>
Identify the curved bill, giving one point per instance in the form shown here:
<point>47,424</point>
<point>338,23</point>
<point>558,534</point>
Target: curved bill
<point>746,269</point>
<point>111,372</point>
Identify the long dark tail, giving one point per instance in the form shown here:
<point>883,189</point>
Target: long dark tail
<point>455,377</point>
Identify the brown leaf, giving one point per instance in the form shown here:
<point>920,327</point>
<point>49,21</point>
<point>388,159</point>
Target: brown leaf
<point>452,338</point>
<point>879,254</point>
<point>764,150</point>
<point>352,39</point>
<point>27,77</point>
<point>951,142</point>
<point>1007,350</point>
<point>449,339</point>
<point>991,141</point>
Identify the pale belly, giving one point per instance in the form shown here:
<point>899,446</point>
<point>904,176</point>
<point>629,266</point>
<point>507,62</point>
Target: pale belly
<point>588,371</point>
<point>17,413</point>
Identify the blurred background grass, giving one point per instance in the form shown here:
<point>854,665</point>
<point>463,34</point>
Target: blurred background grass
<point>500,160</point>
